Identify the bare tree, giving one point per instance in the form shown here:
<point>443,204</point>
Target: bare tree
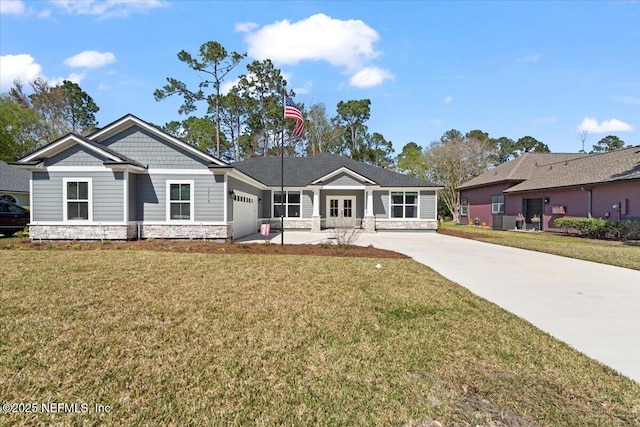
<point>583,136</point>
<point>453,160</point>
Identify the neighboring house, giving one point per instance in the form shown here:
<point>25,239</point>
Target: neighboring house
<point>131,180</point>
<point>14,185</point>
<point>552,185</point>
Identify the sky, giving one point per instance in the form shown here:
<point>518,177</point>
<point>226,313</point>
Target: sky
<point>550,70</point>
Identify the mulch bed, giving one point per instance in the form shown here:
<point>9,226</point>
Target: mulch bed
<point>195,246</point>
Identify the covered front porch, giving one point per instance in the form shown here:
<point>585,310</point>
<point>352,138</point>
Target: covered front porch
<point>369,208</point>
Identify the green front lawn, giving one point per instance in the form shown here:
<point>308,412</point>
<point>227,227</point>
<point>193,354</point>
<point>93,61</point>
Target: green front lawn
<point>200,339</point>
<point>621,254</point>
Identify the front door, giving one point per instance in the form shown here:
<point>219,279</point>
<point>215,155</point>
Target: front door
<point>533,207</point>
<point>341,211</point>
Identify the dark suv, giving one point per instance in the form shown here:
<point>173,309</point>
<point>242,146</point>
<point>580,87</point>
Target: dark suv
<point>13,218</point>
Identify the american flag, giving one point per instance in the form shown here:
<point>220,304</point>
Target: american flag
<point>291,112</point>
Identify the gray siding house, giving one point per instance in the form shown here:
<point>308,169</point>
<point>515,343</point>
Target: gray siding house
<point>14,185</point>
<point>130,180</point>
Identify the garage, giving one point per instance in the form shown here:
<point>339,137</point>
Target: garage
<point>245,214</point>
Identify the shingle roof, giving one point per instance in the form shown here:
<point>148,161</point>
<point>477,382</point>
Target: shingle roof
<point>302,171</point>
<point>613,166</point>
<point>518,169</point>
<point>13,179</point>
<point>537,171</point>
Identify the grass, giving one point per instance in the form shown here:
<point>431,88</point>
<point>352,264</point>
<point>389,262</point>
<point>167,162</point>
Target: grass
<point>217,339</point>
<point>621,254</point>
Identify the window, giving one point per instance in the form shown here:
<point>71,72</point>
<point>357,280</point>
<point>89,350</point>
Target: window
<point>404,204</point>
<point>291,204</point>
<point>497,204</point>
<point>464,206</point>
<point>180,200</point>
<point>77,199</point>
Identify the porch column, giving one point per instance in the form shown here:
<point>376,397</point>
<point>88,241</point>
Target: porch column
<point>369,221</point>
<point>369,211</point>
<point>315,216</point>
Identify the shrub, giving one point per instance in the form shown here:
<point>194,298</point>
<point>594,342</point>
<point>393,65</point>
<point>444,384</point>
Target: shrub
<point>599,228</point>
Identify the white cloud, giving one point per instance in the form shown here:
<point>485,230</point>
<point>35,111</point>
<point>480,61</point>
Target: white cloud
<point>227,85</point>
<point>12,7</point>
<point>90,59</point>
<point>448,99</point>
<point>24,67</point>
<point>529,58</point>
<point>245,27</point>
<point>370,76</point>
<point>18,67</point>
<point>591,125</point>
<point>108,8</point>
<point>318,38</point>
<point>73,78</point>
<point>349,44</point>
<point>434,122</point>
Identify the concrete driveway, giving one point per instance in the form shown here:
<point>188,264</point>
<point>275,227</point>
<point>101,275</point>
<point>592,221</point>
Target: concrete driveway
<point>595,308</point>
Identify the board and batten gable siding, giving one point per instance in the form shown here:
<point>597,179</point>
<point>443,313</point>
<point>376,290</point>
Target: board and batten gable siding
<point>236,184</point>
<point>107,195</point>
<point>151,197</point>
<point>342,180</point>
<point>427,202</point>
<point>76,156</point>
<point>152,151</point>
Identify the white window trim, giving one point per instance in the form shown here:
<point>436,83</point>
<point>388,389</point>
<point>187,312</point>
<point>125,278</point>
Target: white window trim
<point>64,200</point>
<point>391,205</point>
<point>286,204</point>
<point>494,212</point>
<point>192,212</point>
<point>465,206</point>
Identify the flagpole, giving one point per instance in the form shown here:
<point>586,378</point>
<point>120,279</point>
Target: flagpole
<point>282,196</point>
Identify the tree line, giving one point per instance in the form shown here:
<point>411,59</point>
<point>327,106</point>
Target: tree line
<point>247,121</point>
<point>31,120</point>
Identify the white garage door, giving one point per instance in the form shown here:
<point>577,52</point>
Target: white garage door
<point>245,214</point>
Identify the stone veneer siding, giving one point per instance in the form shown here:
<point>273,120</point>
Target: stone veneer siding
<point>83,232</point>
<point>129,232</point>
<point>186,231</point>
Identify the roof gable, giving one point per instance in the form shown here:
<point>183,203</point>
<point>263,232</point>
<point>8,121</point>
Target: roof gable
<point>343,174</point>
<point>69,141</point>
<point>130,120</point>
